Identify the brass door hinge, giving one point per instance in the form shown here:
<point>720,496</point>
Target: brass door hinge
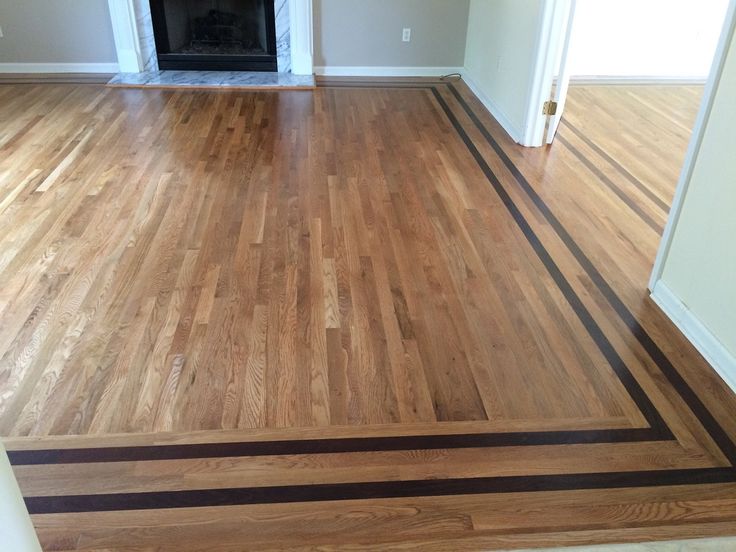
<point>550,108</point>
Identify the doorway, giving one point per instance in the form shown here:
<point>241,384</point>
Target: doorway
<point>600,43</point>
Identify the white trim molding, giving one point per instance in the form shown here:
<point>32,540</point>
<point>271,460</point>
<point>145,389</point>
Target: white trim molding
<point>301,24</point>
<point>709,96</point>
<point>21,68</point>
<point>128,39</point>
<point>587,80</point>
<point>377,71</point>
<point>125,32</point>
<point>720,358</point>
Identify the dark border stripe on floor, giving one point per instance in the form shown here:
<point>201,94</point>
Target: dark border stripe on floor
<point>659,202</point>
<point>371,490</point>
<point>328,446</point>
<point>623,196</point>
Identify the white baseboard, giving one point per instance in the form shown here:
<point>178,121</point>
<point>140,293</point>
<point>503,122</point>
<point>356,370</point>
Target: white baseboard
<point>371,71</point>
<point>641,80</point>
<point>498,114</point>
<point>58,67</point>
<point>701,337</point>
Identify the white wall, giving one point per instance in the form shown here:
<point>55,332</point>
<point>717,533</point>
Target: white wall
<point>367,34</point>
<point>697,263</point>
<point>16,530</point>
<point>645,38</point>
<point>500,58</point>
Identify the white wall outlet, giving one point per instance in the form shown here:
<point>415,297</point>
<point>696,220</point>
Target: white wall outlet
<point>406,35</point>
<point>1,32</point>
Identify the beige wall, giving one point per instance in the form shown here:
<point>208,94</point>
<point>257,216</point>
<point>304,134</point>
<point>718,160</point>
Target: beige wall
<point>368,33</point>
<point>56,31</point>
<point>500,55</point>
<point>700,266</point>
<point>347,32</point>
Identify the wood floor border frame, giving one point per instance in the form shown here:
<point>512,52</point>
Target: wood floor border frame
<point>683,389</point>
<point>658,430</point>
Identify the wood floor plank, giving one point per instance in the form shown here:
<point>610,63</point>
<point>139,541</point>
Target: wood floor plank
<point>405,524</point>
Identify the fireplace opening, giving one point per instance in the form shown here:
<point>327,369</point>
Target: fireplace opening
<point>215,35</point>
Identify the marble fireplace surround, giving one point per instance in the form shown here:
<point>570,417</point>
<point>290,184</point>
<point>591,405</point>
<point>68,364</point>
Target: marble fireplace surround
<point>136,48</point>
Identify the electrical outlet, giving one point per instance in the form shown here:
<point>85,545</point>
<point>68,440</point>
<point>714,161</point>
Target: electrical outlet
<point>499,64</point>
<point>406,35</point>
<point>1,32</point>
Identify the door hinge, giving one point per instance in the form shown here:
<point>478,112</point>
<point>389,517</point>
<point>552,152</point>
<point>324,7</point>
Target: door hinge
<point>550,108</point>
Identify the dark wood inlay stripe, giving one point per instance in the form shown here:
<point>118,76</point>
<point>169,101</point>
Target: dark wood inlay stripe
<point>371,490</point>
<point>620,168</point>
<point>623,196</point>
<point>326,446</point>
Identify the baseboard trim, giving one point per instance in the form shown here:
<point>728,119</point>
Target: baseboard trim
<point>371,71</point>
<point>498,114</point>
<point>722,361</point>
<point>633,81</point>
<point>34,68</point>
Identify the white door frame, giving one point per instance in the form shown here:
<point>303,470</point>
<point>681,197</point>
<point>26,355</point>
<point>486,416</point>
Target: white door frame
<point>552,31</point>
<point>696,141</point>
<point>550,38</point>
<point>127,42</point>
<point>563,74</point>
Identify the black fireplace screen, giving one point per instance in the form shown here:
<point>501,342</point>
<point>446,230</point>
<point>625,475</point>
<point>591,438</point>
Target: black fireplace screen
<point>215,34</point>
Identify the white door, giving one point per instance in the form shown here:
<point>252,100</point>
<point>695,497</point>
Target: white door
<point>559,96</point>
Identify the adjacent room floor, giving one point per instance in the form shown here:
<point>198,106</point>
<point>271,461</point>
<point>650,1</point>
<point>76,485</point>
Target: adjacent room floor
<point>354,317</point>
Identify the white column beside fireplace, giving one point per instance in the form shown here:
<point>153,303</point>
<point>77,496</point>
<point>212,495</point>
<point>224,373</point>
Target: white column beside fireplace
<point>136,48</point>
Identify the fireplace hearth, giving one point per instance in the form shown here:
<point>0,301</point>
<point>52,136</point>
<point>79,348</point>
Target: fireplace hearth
<point>215,35</point>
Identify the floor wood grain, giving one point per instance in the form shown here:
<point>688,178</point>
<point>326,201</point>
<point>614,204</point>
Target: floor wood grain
<point>353,318</point>
<point>209,261</point>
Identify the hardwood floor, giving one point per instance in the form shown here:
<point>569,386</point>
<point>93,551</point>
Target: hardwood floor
<point>354,318</point>
<point>237,275</point>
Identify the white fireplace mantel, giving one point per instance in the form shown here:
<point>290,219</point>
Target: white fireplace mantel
<point>131,58</point>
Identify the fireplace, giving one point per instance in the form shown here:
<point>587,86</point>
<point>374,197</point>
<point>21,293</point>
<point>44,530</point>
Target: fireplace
<point>215,35</point>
